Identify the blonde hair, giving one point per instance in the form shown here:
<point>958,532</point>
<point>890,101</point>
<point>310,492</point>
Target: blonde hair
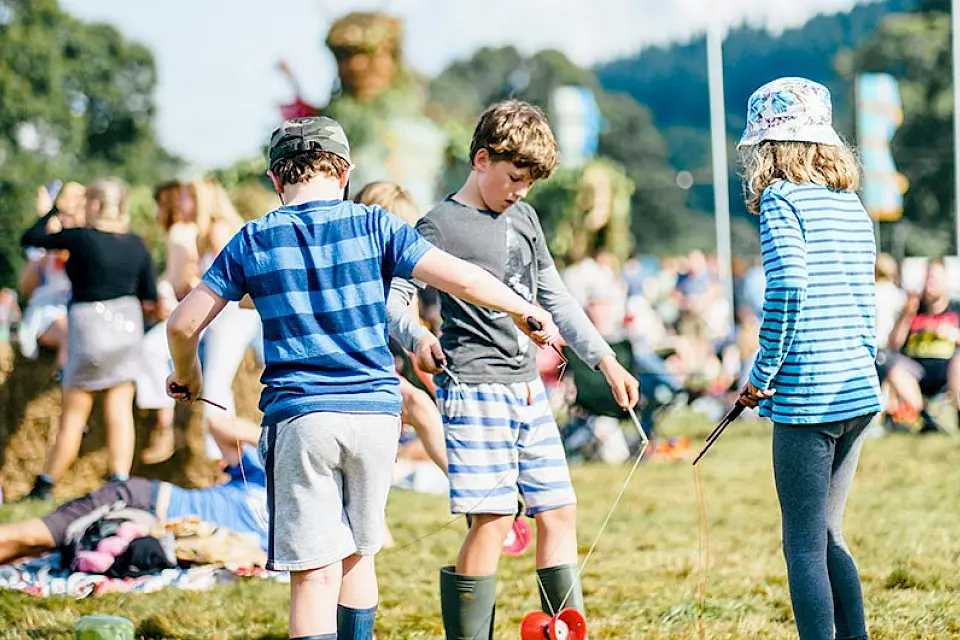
<point>517,132</point>
<point>213,207</point>
<point>886,268</point>
<point>71,202</point>
<point>834,167</point>
<point>391,197</point>
<point>112,214</point>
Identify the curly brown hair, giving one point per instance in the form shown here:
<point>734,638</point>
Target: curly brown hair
<point>303,167</point>
<point>517,132</point>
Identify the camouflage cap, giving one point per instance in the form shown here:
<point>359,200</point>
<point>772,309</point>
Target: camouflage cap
<point>315,133</point>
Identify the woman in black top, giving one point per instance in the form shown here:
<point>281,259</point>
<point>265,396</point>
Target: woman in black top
<point>111,273</point>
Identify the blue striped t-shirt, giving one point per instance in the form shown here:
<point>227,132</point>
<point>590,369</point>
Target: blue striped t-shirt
<point>818,336</point>
<point>319,274</point>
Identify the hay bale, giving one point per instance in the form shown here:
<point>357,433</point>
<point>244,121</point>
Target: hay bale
<point>29,418</point>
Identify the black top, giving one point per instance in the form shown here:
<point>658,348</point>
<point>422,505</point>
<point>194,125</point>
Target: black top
<point>102,266</point>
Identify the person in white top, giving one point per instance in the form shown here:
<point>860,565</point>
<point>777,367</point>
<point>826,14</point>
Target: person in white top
<point>890,297</point>
<point>44,280</point>
<point>199,219</point>
<point>234,331</point>
<point>176,216</point>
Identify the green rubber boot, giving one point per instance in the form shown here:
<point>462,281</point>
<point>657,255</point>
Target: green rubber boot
<point>468,605</point>
<point>555,585</point>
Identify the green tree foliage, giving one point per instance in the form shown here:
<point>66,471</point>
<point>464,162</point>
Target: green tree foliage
<point>672,82</point>
<point>752,57</point>
<point>76,102</point>
<point>248,186</point>
<point>935,5</point>
<point>659,212</point>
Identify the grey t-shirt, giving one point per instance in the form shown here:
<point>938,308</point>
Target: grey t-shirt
<point>483,345</point>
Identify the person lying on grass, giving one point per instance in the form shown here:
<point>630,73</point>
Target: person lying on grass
<point>239,504</point>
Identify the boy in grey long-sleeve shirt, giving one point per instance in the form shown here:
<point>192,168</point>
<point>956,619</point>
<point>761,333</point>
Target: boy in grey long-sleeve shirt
<point>500,433</point>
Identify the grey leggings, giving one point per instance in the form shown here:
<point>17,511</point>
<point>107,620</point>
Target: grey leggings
<point>814,467</point>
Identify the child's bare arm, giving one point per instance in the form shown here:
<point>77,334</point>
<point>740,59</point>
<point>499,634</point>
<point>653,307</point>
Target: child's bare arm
<point>901,329</point>
<point>477,286</point>
<point>184,327</point>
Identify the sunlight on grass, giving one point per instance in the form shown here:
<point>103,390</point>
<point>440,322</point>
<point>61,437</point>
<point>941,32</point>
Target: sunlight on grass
<point>902,523</point>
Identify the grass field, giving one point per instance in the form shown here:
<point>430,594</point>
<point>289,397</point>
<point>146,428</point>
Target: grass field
<point>903,523</point>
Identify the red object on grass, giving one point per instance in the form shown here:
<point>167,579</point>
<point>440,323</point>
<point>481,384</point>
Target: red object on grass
<point>569,624</point>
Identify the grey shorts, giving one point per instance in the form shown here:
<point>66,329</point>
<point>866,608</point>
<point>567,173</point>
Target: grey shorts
<point>328,475</point>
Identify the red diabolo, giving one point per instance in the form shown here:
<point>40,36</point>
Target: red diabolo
<point>569,624</point>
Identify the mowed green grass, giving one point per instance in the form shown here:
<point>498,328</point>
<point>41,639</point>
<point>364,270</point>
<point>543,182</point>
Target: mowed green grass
<point>903,523</point>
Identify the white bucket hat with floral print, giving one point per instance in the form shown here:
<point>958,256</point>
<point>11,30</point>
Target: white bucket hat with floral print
<point>790,109</point>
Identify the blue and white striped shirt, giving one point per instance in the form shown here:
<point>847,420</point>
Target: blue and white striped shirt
<point>319,274</point>
<point>818,336</point>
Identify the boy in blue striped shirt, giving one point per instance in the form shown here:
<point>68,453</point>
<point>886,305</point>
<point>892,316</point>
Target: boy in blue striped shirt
<point>814,375</point>
<point>318,270</point>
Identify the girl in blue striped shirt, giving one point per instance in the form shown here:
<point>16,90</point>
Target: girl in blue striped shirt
<point>814,375</point>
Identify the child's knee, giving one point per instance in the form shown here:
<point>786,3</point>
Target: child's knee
<point>361,562</point>
<point>492,526</point>
<point>323,578</point>
<point>562,518</point>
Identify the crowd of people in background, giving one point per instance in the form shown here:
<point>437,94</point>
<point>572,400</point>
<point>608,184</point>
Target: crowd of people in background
<point>89,295</point>
<point>690,347</point>
<point>112,292</point>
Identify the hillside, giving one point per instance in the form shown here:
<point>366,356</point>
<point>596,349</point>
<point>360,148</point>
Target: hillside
<point>671,81</point>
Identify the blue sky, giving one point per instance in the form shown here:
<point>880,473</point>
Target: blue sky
<point>219,91</point>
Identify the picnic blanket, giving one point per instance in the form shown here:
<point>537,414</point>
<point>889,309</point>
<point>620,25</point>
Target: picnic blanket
<point>42,577</point>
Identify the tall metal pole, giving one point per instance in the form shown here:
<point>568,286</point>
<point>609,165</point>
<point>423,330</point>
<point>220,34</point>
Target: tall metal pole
<point>718,137</point>
<point>955,21</point>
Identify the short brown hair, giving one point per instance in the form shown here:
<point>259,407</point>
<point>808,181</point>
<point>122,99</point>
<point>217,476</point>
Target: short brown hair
<point>517,132</point>
<point>166,196</point>
<point>391,197</point>
<point>834,167</point>
<point>303,167</point>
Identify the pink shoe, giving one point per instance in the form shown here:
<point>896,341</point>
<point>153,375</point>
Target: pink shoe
<point>113,546</point>
<point>93,561</point>
<point>129,530</point>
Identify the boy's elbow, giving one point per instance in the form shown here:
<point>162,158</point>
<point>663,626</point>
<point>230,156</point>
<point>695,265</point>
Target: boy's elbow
<point>179,329</point>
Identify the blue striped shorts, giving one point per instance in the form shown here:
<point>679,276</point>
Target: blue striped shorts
<point>502,438</point>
